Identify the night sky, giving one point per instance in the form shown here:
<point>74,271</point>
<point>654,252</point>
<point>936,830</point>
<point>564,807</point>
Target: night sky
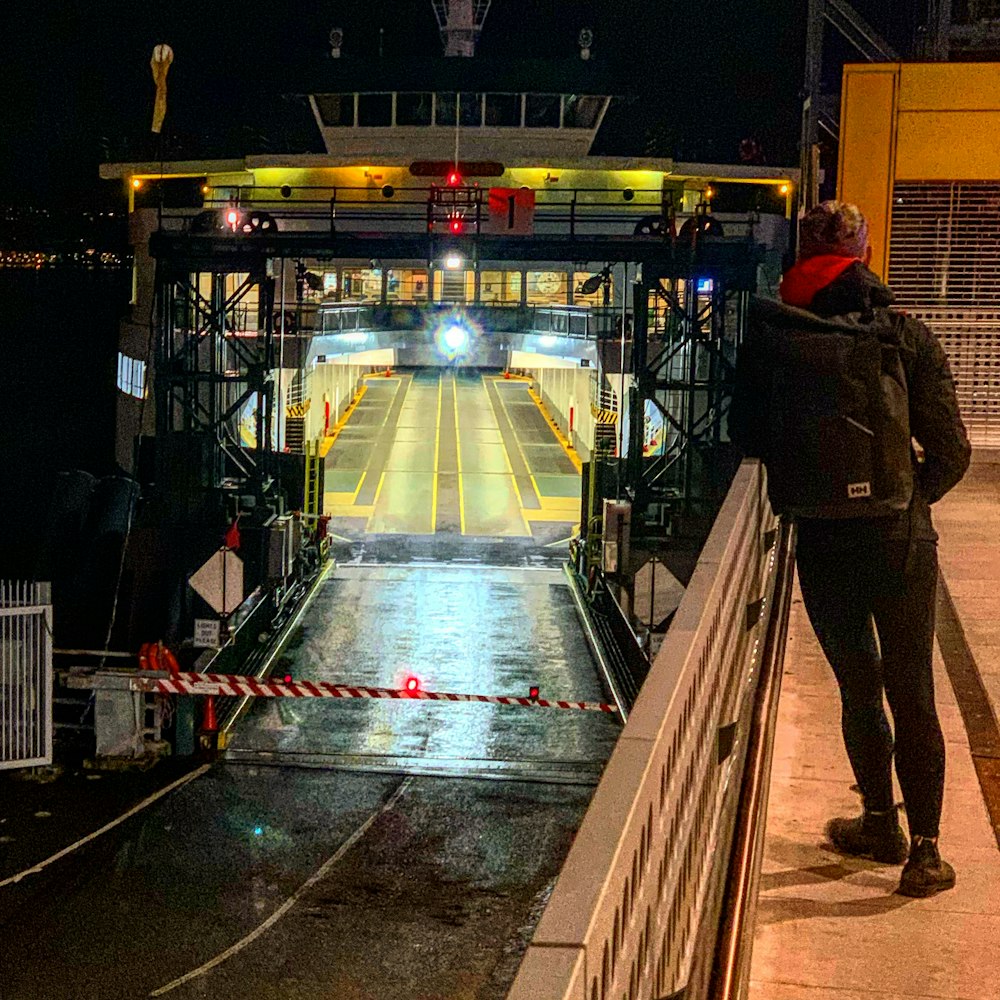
<point>77,87</point>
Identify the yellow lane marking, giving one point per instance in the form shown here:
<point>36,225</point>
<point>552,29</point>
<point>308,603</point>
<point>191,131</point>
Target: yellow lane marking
<point>361,482</point>
<point>503,448</point>
<point>567,447</point>
<point>458,451</point>
<point>517,441</point>
<point>437,455</point>
<point>561,503</point>
<point>404,385</point>
<point>334,432</point>
<point>338,499</point>
<point>371,515</point>
<point>563,516</point>
<point>350,510</point>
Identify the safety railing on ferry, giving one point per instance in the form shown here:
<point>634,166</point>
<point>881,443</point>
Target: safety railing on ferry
<point>636,910</point>
<point>463,210</point>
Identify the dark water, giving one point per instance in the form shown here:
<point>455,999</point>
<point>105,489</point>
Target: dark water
<point>59,331</point>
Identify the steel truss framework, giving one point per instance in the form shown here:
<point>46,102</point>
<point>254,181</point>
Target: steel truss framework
<point>214,362</point>
<point>688,325</point>
<point>689,308</point>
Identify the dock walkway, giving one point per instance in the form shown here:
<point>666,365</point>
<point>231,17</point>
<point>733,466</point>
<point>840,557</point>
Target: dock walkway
<point>830,927</point>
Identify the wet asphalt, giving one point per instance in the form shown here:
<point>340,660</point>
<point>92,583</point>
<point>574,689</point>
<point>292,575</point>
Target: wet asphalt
<point>348,850</point>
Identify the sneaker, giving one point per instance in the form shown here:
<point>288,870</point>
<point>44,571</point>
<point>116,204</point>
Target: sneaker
<point>875,836</point>
<point>925,873</point>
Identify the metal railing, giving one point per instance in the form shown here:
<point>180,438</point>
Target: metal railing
<point>642,886</point>
<point>25,674</point>
<point>734,944</point>
<point>257,210</point>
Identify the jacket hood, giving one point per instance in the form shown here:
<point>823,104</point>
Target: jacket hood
<point>806,277</point>
<point>831,285</point>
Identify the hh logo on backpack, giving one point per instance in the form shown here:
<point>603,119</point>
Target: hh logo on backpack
<point>835,419</point>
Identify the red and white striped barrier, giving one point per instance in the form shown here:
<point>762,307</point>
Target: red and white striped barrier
<point>229,685</point>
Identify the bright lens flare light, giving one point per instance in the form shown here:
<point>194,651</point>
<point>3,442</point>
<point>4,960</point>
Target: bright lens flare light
<point>455,338</point>
<point>455,335</point>
<point>453,262</point>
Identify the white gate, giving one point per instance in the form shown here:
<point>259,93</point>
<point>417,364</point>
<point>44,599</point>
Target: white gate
<point>25,674</point>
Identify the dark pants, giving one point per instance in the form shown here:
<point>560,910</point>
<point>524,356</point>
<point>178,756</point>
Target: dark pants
<point>847,586</point>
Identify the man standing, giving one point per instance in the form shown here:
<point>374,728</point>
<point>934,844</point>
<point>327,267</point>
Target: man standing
<point>867,550</point>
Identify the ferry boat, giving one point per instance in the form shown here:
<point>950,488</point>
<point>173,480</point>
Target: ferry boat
<point>453,219</point>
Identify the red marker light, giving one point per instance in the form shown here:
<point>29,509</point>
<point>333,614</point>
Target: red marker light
<point>288,678</point>
<point>455,225</point>
<point>411,684</point>
<point>454,179</point>
<point>533,693</point>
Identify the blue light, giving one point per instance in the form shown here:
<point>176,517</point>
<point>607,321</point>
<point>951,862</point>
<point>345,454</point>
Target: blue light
<point>258,831</point>
<point>704,285</point>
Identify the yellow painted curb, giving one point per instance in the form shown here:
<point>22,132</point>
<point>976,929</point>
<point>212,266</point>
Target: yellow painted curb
<point>567,447</point>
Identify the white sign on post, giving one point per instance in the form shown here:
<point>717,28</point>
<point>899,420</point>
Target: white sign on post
<point>220,582</point>
<point>206,633</point>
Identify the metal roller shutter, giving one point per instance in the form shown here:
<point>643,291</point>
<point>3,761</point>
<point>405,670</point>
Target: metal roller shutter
<point>944,266</point>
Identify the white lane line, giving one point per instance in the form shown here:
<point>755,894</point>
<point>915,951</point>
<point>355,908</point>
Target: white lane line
<point>107,826</point>
<point>291,901</point>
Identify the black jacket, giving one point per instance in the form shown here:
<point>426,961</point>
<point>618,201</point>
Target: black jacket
<point>858,297</point>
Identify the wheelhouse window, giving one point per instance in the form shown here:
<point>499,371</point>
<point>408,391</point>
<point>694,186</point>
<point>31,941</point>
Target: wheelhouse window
<point>541,110</point>
<point>581,111</point>
<point>375,110</point>
<point>503,110</point>
<point>336,110</point>
<point>470,104</point>
<point>414,109</point>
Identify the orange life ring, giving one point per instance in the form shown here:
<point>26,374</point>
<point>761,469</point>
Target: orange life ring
<point>157,656</point>
<point>168,659</point>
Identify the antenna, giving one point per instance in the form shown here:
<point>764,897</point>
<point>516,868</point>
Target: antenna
<point>460,22</point>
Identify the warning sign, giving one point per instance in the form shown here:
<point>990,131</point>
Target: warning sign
<point>206,633</point>
<point>220,581</point>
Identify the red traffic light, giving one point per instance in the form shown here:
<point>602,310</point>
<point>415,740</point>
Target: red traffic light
<point>455,225</point>
<point>454,178</point>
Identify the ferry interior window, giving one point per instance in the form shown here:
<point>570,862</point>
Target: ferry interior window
<point>375,110</point>
<point>541,110</point>
<point>407,285</point>
<point>336,109</point>
<point>581,111</point>
<point>500,287</point>
<point>595,298</point>
<point>361,284</point>
<point>413,109</point>
<point>503,110</point>
<point>548,288</point>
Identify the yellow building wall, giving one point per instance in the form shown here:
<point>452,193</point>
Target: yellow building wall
<point>914,122</point>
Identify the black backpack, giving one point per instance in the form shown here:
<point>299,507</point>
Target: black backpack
<point>835,422</point>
